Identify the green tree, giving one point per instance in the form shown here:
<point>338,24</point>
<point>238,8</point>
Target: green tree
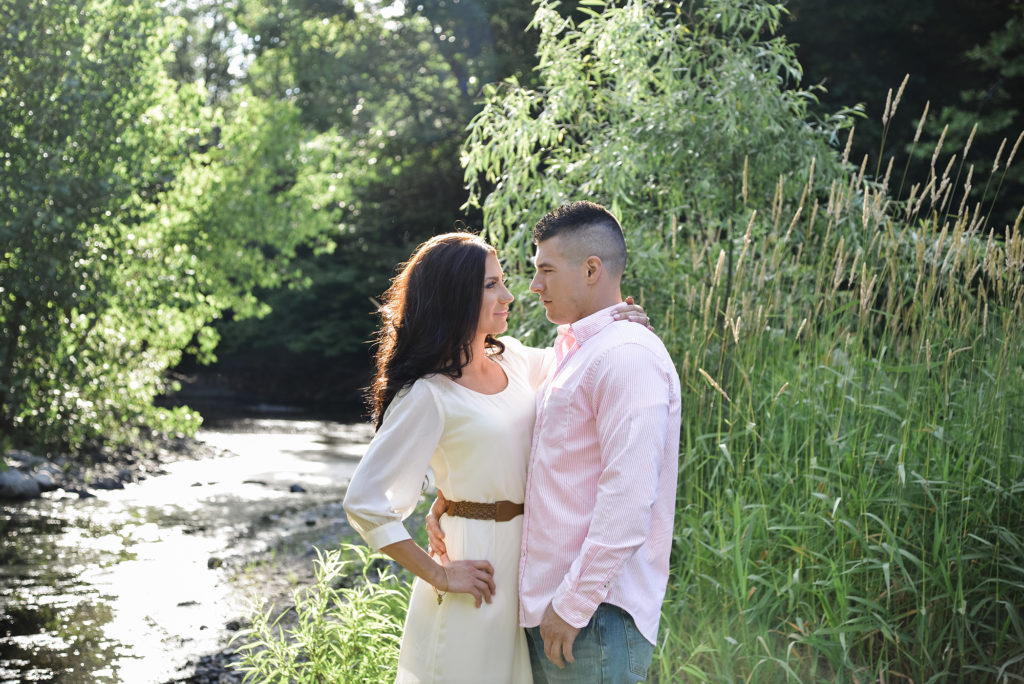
<point>388,95</point>
<point>207,46</point>
<point>132,215</point>
<point>75,92</point>
<point>963,61</point>
<point>675,118</point>
<point>987,123</point>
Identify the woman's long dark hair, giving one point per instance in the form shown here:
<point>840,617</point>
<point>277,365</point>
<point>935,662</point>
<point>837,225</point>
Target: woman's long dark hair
<point>429,316</point>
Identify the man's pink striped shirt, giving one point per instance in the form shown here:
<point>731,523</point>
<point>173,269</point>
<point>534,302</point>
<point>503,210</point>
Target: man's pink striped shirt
<point>601,488</point>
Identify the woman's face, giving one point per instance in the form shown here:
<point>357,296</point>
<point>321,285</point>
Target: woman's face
<point>494,303</point>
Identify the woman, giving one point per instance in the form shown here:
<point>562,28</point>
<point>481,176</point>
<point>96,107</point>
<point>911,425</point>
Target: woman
<point>451,397</point>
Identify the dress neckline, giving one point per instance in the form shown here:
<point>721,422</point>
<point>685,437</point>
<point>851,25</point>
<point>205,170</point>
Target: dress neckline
<point>508,383</point>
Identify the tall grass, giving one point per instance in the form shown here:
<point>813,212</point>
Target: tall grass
<point>851,492</point>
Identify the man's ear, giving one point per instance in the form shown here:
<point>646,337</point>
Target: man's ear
<point>593,267</point>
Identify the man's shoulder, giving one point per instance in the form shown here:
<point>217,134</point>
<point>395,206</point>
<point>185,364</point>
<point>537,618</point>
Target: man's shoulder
<point>631,335</point>
<point>632,362</point>
<point>624,345</point>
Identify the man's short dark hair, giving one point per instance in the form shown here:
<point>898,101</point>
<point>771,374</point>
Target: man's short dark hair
<point>591,227</point>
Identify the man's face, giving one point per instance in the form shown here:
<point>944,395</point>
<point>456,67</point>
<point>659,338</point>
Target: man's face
<point>560,282</point>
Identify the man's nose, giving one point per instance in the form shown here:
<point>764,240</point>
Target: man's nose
<point>535,285</point>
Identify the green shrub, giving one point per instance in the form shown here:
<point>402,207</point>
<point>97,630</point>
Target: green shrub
<point>339,633</point>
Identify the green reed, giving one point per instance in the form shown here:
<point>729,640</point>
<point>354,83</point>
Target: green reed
<point>851,489</point>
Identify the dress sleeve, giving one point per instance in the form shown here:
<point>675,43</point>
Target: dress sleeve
<point>540,362</point>
<point>389,479</point>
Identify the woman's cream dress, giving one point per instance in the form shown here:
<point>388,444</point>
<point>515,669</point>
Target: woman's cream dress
<point>478,446</point>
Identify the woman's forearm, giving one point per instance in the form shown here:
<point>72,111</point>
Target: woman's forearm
<point>475,577</point>
<point>410,556</point>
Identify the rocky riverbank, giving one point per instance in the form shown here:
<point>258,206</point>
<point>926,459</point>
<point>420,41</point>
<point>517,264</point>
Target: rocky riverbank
<point>241,516</point>
<point>28,475</point>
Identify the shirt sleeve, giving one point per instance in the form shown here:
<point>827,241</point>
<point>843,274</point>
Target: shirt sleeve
<point>630,395</point>
<point>540,362</point>
<point>388,481</point>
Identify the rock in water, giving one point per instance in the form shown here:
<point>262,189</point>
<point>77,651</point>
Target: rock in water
<point>18,486</point>
<point>107,483</point>
<point>45,481</point>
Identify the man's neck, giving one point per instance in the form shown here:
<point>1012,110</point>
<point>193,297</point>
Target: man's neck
<point>599,304</point>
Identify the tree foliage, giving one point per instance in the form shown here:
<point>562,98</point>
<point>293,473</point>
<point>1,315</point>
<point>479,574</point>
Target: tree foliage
<point>131,217</point>
<point>963,59</point>
<point>387,95</point>
<point>178,171</point>
<point>674,118</point>
<point>987,117</point>
<point>205,47</point>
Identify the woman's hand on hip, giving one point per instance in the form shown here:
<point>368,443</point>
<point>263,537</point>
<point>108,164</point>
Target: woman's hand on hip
<point>469,577</point>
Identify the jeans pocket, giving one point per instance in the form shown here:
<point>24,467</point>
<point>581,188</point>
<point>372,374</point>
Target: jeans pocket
<point>640,650</point>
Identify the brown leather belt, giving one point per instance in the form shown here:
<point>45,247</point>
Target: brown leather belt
<point>500,511</point>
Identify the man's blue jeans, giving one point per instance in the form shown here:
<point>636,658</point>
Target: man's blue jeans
<point>608,650</point>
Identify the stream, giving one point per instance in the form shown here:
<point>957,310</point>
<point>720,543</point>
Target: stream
<point>136,584</point>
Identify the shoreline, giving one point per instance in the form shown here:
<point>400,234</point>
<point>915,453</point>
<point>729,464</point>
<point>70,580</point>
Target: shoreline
<point>265,559</point>
<point>28,475</point>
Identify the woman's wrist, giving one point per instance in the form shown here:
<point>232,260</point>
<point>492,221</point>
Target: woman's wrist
<point>440,578</point>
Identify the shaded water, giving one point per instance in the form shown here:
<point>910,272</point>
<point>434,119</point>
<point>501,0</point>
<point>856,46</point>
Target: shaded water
<point>132,585</point>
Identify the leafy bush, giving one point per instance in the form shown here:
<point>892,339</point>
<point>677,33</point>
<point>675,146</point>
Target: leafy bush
<point>670,118</point>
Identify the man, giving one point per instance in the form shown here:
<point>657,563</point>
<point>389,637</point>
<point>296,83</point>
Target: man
<point>600,493</point>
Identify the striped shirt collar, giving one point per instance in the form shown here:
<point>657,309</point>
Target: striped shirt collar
<point>585,328</point>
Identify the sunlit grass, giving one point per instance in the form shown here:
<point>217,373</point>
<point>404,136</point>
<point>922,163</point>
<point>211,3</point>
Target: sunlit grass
<point>852,470</point>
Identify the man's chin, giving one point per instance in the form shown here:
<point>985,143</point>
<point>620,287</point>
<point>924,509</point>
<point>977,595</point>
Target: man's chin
<point>551,315</point>
<point>557,320</point>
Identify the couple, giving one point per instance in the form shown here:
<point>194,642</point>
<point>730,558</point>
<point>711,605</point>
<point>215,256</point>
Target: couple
<point>586,435</point>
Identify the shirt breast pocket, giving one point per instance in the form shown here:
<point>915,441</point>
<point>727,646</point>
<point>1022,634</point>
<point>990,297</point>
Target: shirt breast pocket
<point>555,416</point>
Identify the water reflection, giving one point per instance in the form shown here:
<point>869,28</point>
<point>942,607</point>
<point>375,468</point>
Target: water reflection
<point>122,588</point>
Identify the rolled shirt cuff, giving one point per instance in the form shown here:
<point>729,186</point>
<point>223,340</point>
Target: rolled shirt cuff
<point>388,533</point>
